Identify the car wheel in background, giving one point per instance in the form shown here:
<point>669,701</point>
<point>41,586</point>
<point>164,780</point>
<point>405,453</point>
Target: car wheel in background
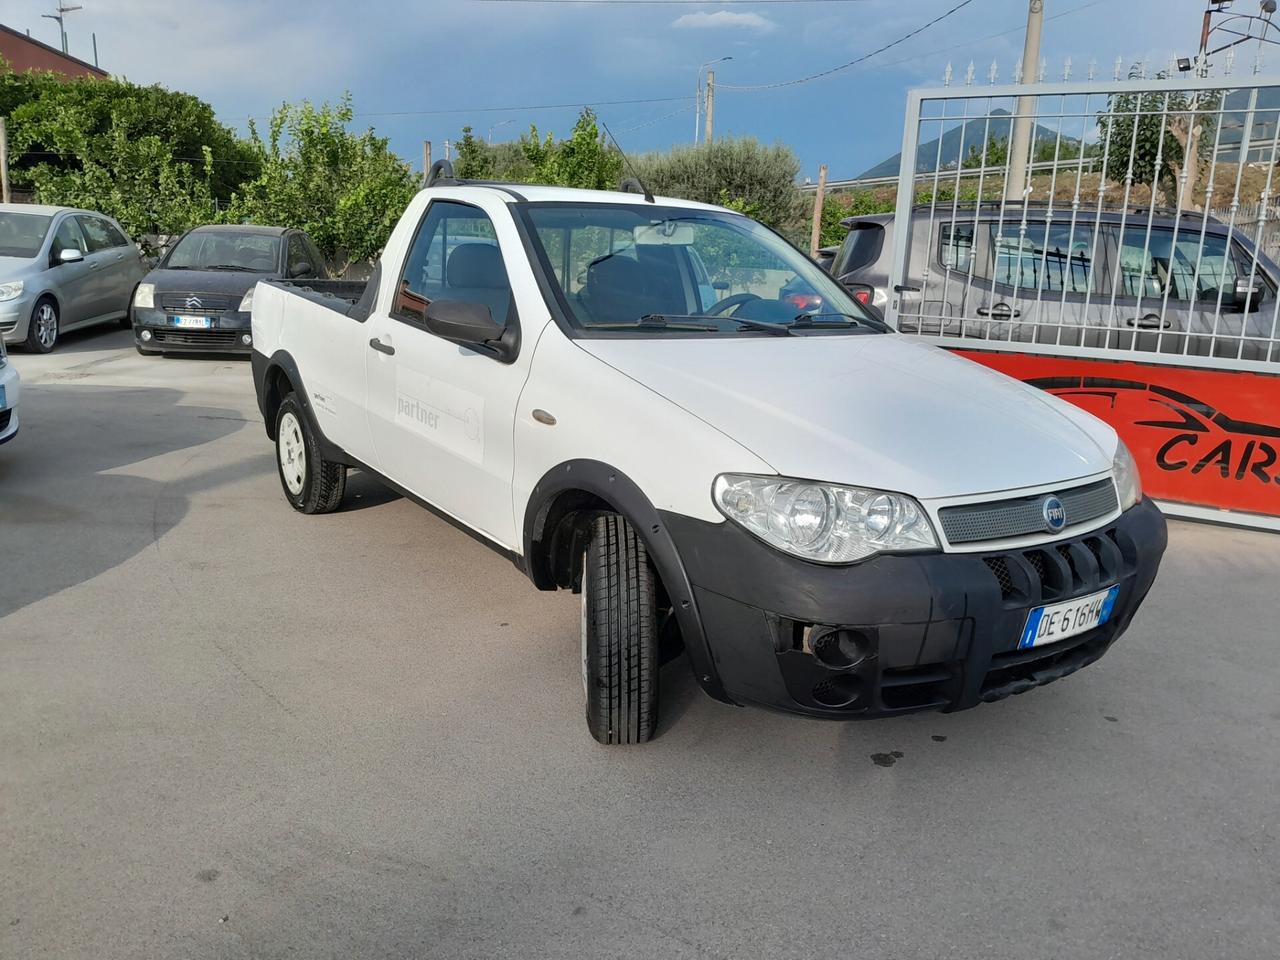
<point>42,332</point>
<point>620,634</point>
<point>311,483</point>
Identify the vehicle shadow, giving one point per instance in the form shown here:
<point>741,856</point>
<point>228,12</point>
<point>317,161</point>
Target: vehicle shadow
<point>70,509</point>
<point>102,336</point>
<point>365,491</point>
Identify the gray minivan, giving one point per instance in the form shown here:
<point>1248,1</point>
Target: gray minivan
<point>60,269</point>
<point>1119,279</point>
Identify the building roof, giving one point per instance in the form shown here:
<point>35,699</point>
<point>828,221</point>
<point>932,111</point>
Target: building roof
<point>23,53</point>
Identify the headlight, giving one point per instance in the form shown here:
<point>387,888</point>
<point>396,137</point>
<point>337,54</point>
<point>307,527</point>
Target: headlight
<point>11,290</point>
<point>823,522</point>
<point>246,302</point>
<point>145,297</point>
<point>1128,482</point>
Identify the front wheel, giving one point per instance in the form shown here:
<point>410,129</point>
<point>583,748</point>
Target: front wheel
<point>619,634</point>
<point>311,483</point>
<point>42,332</point>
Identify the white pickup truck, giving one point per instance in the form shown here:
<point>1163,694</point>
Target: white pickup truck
<point>667,407</point>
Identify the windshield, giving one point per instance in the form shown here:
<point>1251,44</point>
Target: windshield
<point>22,234</point>
<point>676,270</point>
<point>225,250</point>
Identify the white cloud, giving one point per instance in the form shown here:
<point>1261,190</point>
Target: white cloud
<point>724,19</point>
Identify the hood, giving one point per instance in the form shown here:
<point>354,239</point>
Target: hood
<point>12,267</point>
<point>229,282</point>
<point>880,411</point>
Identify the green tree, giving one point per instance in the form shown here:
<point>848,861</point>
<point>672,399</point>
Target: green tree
<point>584,160</point>
<point>475,158</point>
<point>733,171</point>
<point>346,190</point>
<point>154,159</point>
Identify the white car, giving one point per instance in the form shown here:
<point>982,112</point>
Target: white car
<point>10,391</point>
<point>828,518</point>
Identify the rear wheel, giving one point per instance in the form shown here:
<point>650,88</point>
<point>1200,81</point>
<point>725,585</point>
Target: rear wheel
<point>311,483</point>
<point>42,332</point>
<point>619,634</point>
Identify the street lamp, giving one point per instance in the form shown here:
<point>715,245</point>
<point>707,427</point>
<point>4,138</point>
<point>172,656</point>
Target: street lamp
<point>495,127</point>
<point>697,97</point>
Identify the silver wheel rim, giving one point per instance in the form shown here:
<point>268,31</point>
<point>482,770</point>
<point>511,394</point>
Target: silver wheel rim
<point>46,325</point>
<point>292,451</point>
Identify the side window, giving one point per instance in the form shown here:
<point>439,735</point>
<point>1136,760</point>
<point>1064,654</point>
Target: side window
<point>69,237</point>
<point>95,232</point>
<point>298,254</point>
<point>955,246</point>
<point>1050,257</point>
<point>454,256</point>
<point>117,238</point>
<point>318,267</point>
<point>863,244</point>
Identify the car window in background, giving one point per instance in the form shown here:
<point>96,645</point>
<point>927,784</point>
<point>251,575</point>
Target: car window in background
<point>117,238</point>
<point>225,250</point>
<point>298,254</point>
<point>860,248</point>
<point>95,232</point>
<point>69,237</point>
<point>22,234</point>
<point>318,265</point>
<point>1051,258</point>
<point>955,246</point>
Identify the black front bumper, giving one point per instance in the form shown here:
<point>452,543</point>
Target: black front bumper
<point>225,335</point>
<point>911,632</point>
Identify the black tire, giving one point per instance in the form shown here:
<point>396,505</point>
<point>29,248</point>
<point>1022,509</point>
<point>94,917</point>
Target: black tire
<point>619,634</point>
<point>314,485</point>
<point>40,337</point>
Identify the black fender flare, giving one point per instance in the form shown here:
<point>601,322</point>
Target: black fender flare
<point>283,361</point>
<point>626,498</point>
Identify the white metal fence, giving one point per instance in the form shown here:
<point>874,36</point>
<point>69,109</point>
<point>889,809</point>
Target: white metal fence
<point>1138,232</point>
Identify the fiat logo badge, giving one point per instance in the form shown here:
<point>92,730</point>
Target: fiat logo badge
<point>1055,514</point>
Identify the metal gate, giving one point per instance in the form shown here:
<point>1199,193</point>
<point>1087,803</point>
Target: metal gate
<point>1122,262</point>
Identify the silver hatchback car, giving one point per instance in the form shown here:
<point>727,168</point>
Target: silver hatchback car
<point>61,269</point>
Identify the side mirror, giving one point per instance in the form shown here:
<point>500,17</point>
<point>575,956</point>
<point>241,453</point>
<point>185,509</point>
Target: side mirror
<point>461,322</point>
<point>68,255</point>
<point>299,269</point>
<point>1248,295</point>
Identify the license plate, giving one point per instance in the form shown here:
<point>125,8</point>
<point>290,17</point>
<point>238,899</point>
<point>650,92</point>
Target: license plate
<point>1058,621</point>
<point>192,323</point>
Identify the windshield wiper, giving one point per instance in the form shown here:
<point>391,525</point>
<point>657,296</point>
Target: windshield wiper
<point>658,321</point>
<point>842,320</point>
<point>229,266</point>
<point>661,320</point>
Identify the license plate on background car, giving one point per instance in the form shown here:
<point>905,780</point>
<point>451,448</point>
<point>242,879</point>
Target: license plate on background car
<point>1058,621</point>
<point>192,323</point>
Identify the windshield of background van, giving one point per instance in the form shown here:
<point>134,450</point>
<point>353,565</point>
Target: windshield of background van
<point>221,250</point>
<point>625,265</point>
<point>22,234</point>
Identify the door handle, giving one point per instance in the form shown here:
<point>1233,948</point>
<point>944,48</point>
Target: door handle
<point>999,311</point>
<point>1151,321</point>
<point>381,347</point>
<point>94,265</point>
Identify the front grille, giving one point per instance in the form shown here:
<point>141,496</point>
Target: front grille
<point>1067,570</point>
<point>1001,519</point>
<point>198,338</point>
<point>209,303</point>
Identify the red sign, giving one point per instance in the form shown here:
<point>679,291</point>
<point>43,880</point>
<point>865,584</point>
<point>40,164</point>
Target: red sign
<point>1204,437</point>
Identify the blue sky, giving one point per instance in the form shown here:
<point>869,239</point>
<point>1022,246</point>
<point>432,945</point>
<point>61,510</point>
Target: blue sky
<point>404,62</point>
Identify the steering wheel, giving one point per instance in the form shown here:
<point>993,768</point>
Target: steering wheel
<point>736,300</point>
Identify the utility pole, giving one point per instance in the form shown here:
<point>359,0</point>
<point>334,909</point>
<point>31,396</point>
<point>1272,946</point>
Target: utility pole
<point>1015,186</point>
<point>4,161</point>
<point>446,150</point>
<point>1191,155</point>
<point>711,105</point>
<point>426,159</point>
<point>697,95</point>
<point>815,234</point>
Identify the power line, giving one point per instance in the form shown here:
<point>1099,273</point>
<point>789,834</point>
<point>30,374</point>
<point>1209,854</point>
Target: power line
<point>845,66</point>
<point>517,108</point>
<point>675,3</point>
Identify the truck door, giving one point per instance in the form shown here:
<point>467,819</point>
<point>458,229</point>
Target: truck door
<point>441,415</point>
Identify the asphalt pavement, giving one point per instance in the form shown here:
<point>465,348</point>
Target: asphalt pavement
<point>230,731</point>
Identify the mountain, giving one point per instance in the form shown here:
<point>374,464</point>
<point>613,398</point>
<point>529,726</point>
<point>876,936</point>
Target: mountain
<point>970,134</point>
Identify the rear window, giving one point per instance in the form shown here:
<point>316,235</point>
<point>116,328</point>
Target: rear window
<point>861,247</point>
